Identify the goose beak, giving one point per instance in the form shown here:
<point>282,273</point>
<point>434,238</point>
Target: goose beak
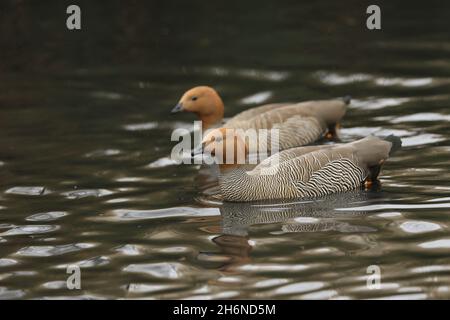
<point>177,108</point>
<point>197,151</point>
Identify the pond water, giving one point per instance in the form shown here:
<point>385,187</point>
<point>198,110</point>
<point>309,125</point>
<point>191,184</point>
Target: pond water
<point>85,131</point>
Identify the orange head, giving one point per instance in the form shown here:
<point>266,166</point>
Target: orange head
<point>227,146</point>
<point>205,102</point>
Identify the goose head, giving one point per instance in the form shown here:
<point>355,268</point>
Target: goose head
<point>203,101</point>
<point>226,146</point>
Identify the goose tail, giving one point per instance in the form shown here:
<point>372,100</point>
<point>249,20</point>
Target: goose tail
<point>396,143</point>
<point>347,99</point>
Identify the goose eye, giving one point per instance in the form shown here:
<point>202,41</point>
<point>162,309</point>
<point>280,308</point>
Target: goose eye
<point>194,98</point>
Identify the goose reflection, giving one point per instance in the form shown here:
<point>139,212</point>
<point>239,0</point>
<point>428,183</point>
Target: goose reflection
<point>316,215</point>
<point>319,214</point>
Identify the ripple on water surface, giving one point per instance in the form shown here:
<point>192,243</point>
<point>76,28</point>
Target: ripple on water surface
<point>47,216</point>
<point>29,230</point>
<point>48,251</point>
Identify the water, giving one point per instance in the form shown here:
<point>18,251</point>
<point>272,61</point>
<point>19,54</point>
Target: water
<point>85,132</point>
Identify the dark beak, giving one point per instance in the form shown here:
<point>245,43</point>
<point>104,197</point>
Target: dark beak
<point>197,151</point>
<point>177,108</point>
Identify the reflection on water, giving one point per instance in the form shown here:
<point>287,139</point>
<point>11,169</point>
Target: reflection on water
<point>86,178</point>
<point>307,215</point>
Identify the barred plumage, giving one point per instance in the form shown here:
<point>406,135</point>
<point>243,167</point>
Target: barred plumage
<point>306,171</point>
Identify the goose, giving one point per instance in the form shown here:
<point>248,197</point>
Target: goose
<point>298,123</point>
<point>302,172</point>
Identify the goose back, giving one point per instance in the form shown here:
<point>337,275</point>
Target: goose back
<point>297,124</point>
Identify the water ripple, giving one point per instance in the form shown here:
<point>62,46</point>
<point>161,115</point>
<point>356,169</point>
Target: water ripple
<point>103,153</point>
<point>299,287</point>
<point>377,207</point>
<point>141,126</point>
<point>83,193</point>
<point>378,103</point>
<point>47,216</point>
<point>259,97</point>
<point>124,214</point>
<point>159,270</point>
<point>436,244</point>
<point>31,229</point>
<point>27,191</point>
<point>418,117</point>
<point>5,293</point>
<point>48,251</point>
<point>419,226</point>
<point>7,262</point>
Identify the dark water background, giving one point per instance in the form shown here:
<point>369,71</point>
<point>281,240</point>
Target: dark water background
<point>85,129</point>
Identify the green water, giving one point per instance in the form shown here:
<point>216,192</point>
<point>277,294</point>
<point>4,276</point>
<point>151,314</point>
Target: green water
<point>84,119</point>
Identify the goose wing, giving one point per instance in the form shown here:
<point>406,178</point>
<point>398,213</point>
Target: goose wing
<point>298,124</point>
<point>336,176</point>
<point>299,131</point>
<point>320,170</point>
<point>290,154</point>
<point>266,116</point>
<point>253,112</point>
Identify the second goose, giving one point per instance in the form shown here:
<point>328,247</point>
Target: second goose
<point>298,123</point>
